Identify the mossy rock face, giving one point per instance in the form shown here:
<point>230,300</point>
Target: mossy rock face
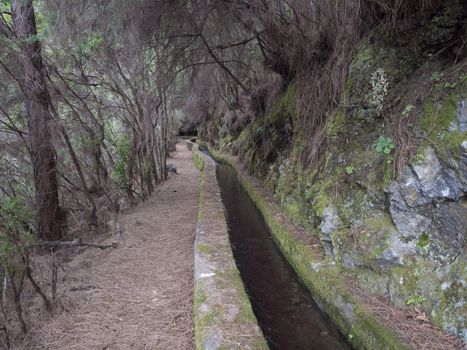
<point>379,237</point>
<point>271,136</point>
<point>368,240</point>
<point>426,203</point>
<point>441,291</point>
<point>442,120</point>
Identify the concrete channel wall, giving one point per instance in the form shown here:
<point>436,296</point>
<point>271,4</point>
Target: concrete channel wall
<point>323,280</point>
<point>223,317</point>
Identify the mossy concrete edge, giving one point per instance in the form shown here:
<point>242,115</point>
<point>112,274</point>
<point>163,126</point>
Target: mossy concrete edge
<point>223,316</point>
<point>323,280</point>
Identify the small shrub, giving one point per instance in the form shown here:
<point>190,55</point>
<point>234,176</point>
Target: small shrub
<point>385,145</point>
<point>415,300</point>
<point>349,169</point>
<point>423,241</point>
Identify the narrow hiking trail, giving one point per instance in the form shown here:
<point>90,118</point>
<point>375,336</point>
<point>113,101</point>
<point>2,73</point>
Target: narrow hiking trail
<point>138,296</point>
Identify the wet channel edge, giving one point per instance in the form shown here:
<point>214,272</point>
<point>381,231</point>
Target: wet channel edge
<point>223,316</point>
<point>321,278</point>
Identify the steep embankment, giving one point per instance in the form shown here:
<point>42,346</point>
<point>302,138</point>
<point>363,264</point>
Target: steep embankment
<point>388,198</point>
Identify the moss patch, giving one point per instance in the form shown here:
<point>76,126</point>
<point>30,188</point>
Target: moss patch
<point>438,122</point>
<point>198,160</point>
<point>204,248</point>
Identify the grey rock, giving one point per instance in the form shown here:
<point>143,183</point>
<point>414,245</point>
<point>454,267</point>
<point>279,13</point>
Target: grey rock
<point>448,230</point>
<point>462,115</point>
<point>387,260</point>
<point>434,181</point>
<point>329,223</point>
<point>349,261</point>
<point>464,152</point>
<point>172,168</point>
<point>407,193</point>
<point>328,247</point>
<point>396,251</point>
<point>427,183</point>
<point>463,166</point>
<point>429,199</point>
<point>409,223</point>
<point>404,197</point>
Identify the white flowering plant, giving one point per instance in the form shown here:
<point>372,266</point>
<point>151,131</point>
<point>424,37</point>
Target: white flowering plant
<point>379,89</point>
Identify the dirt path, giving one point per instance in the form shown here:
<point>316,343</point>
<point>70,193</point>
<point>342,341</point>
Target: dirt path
<point>138,296</point>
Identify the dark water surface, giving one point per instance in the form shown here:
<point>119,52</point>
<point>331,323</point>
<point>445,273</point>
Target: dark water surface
<point>285,310</point>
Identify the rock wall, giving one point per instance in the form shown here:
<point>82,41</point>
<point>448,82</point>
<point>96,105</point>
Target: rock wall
<point>389,199</point>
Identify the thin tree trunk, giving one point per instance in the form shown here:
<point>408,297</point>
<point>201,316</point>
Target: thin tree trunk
<point>93,221</point>
<point>5,318</point>
<point>131,168</point>
<point>38,289</point>
<point>37,98</point>
<point>17,301</point>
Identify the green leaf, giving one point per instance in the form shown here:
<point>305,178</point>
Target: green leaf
<point>349,169</point>
<point>415,300</point>
<point>436,76</point>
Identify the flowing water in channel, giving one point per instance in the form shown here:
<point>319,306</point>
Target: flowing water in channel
<point>285,310</point>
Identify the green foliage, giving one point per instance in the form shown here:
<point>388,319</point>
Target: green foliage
<point>423,240</point>
<point>385,145</point>
<point>415,300</point>
<point>90,44</point>
<point>119,172</point>
<point>5,8</point>
<point>407,109</point>
<point>349,169</point>
<point>449,85</point>
<point>13,214</point>
<point>439,113</point>
<point>285,108</point>
<point>199,161</point>
<point>436,76</point>
<point>14,217</point>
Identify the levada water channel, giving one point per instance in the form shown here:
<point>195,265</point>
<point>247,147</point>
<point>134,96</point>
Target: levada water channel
<point>286,312</point>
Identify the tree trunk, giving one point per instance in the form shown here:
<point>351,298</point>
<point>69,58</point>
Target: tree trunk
<point>93,220</point>
<point>38,109</point>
